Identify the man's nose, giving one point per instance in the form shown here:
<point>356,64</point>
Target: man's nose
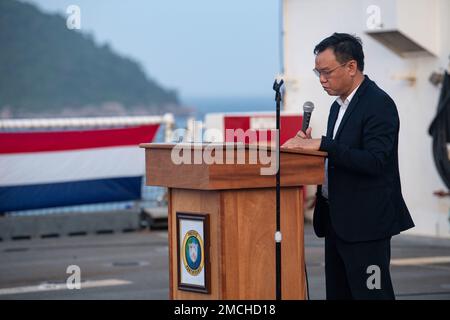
<point>322,79</point>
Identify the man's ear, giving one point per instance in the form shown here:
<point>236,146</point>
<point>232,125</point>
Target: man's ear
<point>353,67</point>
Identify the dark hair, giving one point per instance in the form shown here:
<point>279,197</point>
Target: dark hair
<point>345,46</point>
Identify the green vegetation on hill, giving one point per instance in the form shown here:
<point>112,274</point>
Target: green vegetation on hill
<point>45,67</point>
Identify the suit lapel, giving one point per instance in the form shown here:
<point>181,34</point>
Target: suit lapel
<point>352,105</point>
<point>347,113</point>
<point>332,119</point>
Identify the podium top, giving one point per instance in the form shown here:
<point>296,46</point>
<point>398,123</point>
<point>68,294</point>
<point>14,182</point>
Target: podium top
<point>220,166</point>
<point>230,145</point>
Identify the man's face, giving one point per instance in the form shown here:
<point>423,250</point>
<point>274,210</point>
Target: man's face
<point>335,78</point>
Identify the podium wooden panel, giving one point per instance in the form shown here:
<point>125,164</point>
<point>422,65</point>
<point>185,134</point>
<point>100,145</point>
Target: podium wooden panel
<point>240,203</point>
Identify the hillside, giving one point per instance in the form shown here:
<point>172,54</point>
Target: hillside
<point>45,68</point>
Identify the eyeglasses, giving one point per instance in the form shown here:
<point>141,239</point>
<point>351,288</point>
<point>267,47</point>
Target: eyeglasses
<point>328,73</point>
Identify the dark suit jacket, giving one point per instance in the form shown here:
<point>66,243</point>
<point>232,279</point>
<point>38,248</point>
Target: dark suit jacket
<point>364,192</point>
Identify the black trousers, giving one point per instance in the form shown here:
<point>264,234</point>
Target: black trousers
<point>357,270</point>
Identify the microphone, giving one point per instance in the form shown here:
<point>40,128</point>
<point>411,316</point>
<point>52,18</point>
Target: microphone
<point>308,108</point>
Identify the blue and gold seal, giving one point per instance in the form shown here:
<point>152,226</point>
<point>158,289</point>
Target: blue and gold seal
<point>193,252</point>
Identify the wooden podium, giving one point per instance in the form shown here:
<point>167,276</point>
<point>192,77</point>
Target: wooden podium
<point>236,207</point>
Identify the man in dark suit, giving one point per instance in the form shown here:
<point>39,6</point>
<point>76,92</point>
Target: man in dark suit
<point>360,206</point>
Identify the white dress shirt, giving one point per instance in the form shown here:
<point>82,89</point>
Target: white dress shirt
<point>344,104</point>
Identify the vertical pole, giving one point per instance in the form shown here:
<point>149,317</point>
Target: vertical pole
<point>278,236</point>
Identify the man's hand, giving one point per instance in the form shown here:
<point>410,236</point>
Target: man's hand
<point>303,141</point>
<point>302,134</point>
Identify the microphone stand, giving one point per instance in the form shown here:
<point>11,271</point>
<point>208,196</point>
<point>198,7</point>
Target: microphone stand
<point>276,88</point>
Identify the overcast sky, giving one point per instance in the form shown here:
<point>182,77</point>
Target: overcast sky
<point>202,48</point>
